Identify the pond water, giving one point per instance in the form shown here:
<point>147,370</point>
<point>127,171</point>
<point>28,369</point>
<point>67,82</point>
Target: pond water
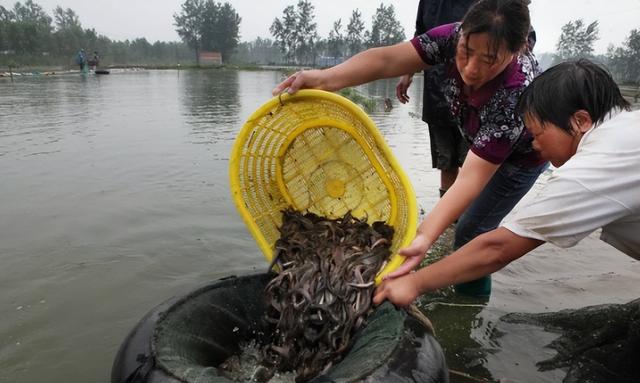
<point>114,196</point>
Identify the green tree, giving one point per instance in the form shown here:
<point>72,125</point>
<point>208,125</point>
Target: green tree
<point>31,31</point>
<point>220,28</point>
<point>6,18</point>
<point>355,33</point>
<point>258,51</point>
<point>68,35</point>
<point>335,41</point>
<point>321,47</point>
<point>142,49</point>
<point>385,28</point>
<point>576,40</point>
<point>617,62</point>
<point>90,38</point>
<point>285,32</point>
<point>296,33</point>
<point>207,25</point>
<point>119,52</point>
<point>28,36</point>
<point>168,53</point>
<point>632,49</point>
<point>189,24</point>
<point>307,32</point>
<point>623,62</point>
<point>66,19</point>
<point>103,45</point>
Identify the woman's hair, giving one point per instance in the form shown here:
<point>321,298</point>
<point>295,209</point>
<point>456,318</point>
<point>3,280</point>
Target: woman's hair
<point>506,21</point>
<point>561,90</point>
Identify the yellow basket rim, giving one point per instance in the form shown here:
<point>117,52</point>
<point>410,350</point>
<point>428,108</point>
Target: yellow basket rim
<point>396,259</point>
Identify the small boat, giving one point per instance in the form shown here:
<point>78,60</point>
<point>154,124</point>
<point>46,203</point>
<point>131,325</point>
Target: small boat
<point>102,71</point>
<point>186,338</point>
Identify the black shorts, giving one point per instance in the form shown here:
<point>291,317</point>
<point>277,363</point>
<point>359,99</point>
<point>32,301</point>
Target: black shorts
<point>448,147</point>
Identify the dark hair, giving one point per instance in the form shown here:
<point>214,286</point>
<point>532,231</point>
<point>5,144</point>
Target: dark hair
<point>560,91</point>
<point>505,21</point>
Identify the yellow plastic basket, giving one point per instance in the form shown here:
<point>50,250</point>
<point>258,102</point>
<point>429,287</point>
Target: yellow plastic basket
<point>317,151</point>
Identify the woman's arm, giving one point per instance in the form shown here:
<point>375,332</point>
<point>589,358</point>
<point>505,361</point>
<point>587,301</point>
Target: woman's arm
<point>483,255</point>
<point>473,177</point>
<point>367,66</point>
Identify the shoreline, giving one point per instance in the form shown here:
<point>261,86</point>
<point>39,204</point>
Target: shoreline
<point>43,70</point>
<point>629,91</point>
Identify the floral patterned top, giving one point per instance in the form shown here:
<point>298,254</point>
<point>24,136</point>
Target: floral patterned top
<point>487,117</point>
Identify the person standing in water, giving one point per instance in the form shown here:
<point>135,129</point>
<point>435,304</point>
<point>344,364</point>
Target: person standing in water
<point>95,61</point>
<point>489,63</point>
<point>81,59</point>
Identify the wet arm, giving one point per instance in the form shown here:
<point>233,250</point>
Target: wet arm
<point>482,256</point>
<point>473,177</point>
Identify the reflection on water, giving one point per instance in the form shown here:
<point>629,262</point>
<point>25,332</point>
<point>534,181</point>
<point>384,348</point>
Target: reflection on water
<point>211,98</point>
<point>115,196</point>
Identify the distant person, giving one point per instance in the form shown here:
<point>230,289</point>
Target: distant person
<point>81,59</point>
<point>388,105</point>
<point>489,61</point>
<point>95,60</point>
<point>583,125</point>
<point>448,148</point>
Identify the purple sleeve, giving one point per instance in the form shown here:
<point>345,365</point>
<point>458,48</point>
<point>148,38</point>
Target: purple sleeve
<point>437,45</point>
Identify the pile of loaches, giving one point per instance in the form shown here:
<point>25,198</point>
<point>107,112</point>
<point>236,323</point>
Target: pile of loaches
<point>322,293</point>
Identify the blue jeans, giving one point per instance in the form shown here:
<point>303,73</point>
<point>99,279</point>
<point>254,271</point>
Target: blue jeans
<point>507,186</point>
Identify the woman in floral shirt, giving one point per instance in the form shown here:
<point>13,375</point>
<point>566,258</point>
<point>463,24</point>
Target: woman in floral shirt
<point>489,64</point>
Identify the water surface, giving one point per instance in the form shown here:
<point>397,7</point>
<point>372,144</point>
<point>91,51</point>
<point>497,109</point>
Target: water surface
<point>114,196</point>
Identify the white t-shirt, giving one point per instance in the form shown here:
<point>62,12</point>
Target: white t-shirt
<point>599,187</point>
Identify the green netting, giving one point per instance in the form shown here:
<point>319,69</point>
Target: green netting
<point>372,346</point>
<point>205,328</point>
<point>208,326</point>
<point>597,343</point>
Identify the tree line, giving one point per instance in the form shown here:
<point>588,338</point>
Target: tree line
<point>207,25</point>
<point>295,33</point>
<point>29,36</point>
<point>577,40</point>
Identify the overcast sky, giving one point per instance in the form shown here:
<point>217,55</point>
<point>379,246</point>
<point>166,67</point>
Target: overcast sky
<point>153,19</point>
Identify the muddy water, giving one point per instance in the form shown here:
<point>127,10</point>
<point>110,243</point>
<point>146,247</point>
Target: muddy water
<point>114,197</point>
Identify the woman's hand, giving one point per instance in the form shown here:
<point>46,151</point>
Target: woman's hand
<point>313,79</point>
<point>401,89</point>
<point>414,253</point>
<point>400,291</point>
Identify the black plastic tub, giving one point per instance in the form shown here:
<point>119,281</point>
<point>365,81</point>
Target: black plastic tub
<point>184,338</point>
